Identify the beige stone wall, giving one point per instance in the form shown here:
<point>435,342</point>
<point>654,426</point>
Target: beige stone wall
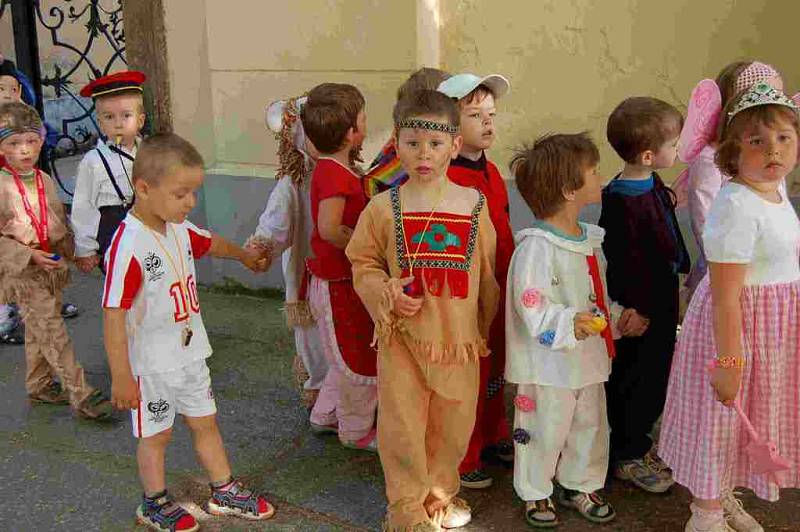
<point>570,63</point>
<point>260,51</point>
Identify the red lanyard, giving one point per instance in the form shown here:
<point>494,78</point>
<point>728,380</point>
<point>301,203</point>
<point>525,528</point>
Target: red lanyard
<point>39,225</point>
<point>597,284</point>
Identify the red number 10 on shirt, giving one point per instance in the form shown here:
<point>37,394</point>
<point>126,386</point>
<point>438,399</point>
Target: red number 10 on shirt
<point>179,299</point>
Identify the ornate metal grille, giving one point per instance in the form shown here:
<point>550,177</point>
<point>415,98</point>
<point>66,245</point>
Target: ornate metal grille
<point>67,43</point>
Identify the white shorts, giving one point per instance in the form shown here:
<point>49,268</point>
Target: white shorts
<point>186,391</point>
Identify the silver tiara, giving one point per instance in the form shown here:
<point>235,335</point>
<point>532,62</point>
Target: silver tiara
<point>416,123</point>
<point>761,94</point>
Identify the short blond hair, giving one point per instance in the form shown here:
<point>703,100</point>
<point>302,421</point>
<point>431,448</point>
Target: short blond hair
<point>110,96</point>
<point>162,155</point>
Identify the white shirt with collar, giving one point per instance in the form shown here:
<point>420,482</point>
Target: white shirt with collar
<point>93,189</point>
<point>548,283</point>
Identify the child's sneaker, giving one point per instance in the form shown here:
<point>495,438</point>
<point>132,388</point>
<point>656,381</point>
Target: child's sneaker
<point>94,407</point>
<point>504,451</point>
<point>454,515</point>
<point>656,464</point>
<point>590,505</point>
<point>162,513</point>
<point>640,474</point>
<point>541,514</point>
<point>52,394</point>
<point>476,480</point>
<point>321,430</point>
<point>233,499</point>
<point>706,521</point>
<point>367,443</point>
<point>736,516</point>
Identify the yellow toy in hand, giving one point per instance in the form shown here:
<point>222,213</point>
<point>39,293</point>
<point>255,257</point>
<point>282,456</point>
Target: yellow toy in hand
<point>599,324</point>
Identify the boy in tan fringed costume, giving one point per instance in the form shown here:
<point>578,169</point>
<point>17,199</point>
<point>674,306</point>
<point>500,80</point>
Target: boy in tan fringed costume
<point>35,243</point>
<point>423,264</point>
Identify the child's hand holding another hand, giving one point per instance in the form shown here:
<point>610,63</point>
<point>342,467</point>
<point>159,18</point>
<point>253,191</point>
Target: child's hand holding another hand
<point>631,323</point>
<point>87,264</point>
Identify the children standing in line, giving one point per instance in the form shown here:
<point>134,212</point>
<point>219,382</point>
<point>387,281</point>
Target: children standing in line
<point>103,187</point>
<point>386,171</point>
<point>336,123</point>
<point>35,244</point>
<point>154,334</point>
<point>423,263</point>
<point>476,101</point>
<point>645,253</point>
<point>285,227</point>
<point>559,323</point>
<point>699,144</point>
<point>739,343</point>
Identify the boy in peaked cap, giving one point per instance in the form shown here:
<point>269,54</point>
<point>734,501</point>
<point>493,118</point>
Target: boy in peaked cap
<point>103,187</point>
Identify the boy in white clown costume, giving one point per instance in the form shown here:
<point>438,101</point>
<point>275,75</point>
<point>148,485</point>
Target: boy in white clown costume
<point>558,336</point>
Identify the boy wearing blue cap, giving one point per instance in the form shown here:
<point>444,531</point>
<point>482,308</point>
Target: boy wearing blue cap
<point>476,101</point>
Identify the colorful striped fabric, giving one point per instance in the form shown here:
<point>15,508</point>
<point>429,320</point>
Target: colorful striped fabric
<point>385,171</point>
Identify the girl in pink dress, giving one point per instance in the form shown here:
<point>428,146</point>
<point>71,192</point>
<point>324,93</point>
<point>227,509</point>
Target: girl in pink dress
<point>702,180</point>
<point>740,336</point>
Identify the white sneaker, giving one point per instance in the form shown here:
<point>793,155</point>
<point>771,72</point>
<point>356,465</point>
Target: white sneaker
<point>454,515</point>
<point>736,516</point>
<point>719,525</point>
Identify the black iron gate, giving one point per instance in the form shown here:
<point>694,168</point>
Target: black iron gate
<point>87,39</point>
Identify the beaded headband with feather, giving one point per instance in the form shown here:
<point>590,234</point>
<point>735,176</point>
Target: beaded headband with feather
<point>761,94</point>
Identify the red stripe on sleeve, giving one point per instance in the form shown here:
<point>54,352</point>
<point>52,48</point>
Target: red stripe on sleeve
<point>133,282</point>
<point>200,243</point>
<point>111,260</point>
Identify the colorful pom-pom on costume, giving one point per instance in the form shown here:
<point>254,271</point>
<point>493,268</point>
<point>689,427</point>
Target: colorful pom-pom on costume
<point>524,403</point>
<point>547,338</point>
<point>532,298</point>
<point>521,436</point>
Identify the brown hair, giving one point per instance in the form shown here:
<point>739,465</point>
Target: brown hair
<point>642,123</point>
<point>427,102</point>
<point>553,165</point>
<point>161,155</point>
<point>727,156</point>
<point>19,115</point>
<point>331,110</point>
<point>477,95</point>
<point>425,78</point>
<point>726,79</point>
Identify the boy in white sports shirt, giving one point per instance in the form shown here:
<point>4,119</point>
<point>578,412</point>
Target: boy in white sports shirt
<point>154,335</point>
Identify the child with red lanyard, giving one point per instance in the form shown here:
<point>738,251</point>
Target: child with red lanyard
<point>476,101</point>
<point>34,244</point>
<point>335,122</point>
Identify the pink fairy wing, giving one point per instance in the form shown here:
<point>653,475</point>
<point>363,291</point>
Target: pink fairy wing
<point>702,116</point>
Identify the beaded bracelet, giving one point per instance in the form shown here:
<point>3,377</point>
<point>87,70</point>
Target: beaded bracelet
<point>729,362</point>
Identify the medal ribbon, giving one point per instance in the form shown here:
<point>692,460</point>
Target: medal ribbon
<point>39,224</point>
